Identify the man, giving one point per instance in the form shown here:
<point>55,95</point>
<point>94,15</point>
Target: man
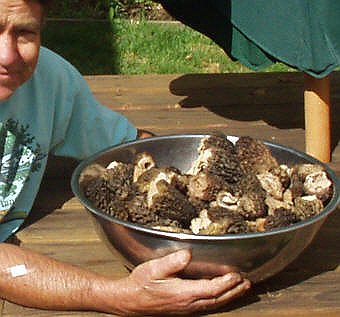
<point>46,107</point>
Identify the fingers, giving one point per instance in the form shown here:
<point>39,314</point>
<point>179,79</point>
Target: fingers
<point>168,265</point>
<point>160,291</point>
<point>210,270</point>
<point>223,299</point>
<point>222,288</point>
<point>211,288</point>
<point>197,295</point>
<point>235,292</point>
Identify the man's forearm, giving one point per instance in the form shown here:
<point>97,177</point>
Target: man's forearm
<point>34,280</point>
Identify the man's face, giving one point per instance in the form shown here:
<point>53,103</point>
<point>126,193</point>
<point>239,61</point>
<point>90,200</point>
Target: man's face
<point>20,26</point>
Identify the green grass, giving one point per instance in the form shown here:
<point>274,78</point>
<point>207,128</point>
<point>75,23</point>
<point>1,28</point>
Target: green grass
<point>163,48</point>
<point>139,48</point>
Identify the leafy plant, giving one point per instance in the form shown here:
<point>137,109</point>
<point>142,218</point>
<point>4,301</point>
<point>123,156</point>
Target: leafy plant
<point>97,9</point>
<point>102,9</point>
<point>131,8</point>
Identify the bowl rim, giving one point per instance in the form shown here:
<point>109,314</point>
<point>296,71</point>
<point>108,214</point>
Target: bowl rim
<point>330,207</point>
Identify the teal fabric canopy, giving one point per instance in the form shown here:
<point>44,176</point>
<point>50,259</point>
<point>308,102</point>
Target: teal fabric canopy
<point>304,34</point>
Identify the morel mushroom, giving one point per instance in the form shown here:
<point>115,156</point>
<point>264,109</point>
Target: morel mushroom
<point>280,218</point>
<point>204,186</point>
<point>217,156</point>
<point>143,162</point>
<point>168,202</point>
<point>224,221</point>
<point>254,156</point>
<point>229,189</point>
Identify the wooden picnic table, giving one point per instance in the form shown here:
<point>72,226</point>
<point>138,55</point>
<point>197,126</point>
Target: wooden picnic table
<point>264,105</point>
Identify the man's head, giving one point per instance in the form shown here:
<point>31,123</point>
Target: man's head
<point>20,27</point>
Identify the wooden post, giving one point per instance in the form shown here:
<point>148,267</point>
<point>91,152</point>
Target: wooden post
<point>317,117</point>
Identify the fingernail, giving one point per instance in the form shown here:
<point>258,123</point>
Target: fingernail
<point>231,277</point>
<point>247,283</point>
<point>159,281</point>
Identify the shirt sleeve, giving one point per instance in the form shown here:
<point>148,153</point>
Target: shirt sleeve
<point>90,126</point>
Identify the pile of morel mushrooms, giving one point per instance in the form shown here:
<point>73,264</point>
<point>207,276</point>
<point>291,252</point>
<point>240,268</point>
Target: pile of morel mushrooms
<point>230,188</point>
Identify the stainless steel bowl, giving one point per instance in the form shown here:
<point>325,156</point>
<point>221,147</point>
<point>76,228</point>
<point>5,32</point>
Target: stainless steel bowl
<point>258,255</point>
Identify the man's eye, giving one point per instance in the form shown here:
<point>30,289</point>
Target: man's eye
<point>27,34</point>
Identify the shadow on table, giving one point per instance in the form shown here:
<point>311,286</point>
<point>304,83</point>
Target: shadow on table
<point>276,98</point>
<point>55,188</point>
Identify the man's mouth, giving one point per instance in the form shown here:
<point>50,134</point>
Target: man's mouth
<point>8,77</point>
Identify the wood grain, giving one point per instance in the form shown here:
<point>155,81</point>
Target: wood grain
<point>267,106</point>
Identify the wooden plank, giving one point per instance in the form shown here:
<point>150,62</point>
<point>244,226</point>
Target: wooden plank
<point>187,121</point>
<point>185,118</point>
<point>200,80</point>
<point>205,120</point>
<point>92,255</point>
<point>153,98</point>
<point>259,79</point>
<point>313,296</point>
<point>190,119</point>
<point>169,91</point>
<point>63,225</point>
<point>183,82</point>
<point>291,138</point>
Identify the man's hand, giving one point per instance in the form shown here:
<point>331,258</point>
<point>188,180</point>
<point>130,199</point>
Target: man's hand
<point>152,288</point>
<point>143,134</point>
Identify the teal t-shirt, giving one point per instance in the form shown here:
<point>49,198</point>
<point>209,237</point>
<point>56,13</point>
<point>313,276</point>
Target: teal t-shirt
<point>54,112</point>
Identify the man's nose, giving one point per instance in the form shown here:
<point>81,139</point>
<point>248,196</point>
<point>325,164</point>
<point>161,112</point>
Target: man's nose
<point>8,50</point>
